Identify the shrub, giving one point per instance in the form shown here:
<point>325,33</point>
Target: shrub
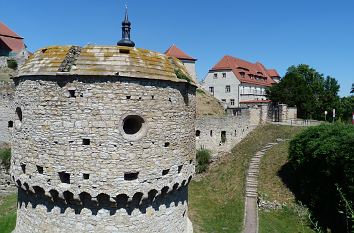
<point>322,158</point>
<point>203,160</point>
<point>5,156</point>
<point>12,64</point>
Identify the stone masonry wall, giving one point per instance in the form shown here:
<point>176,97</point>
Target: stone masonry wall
<point>79,164</point>
<point>6,184</point>
<point>7,112</point>
<point>210,131</point>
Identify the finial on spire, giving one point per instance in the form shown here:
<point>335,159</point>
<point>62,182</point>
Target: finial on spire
<point>125,41</point>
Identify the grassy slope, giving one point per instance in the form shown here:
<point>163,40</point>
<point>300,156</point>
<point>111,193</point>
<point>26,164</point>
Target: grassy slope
<point>5,74</point>
<point>208,105</point>
<point>216,203</point>
<point>292,218</point>
<point>7,213</point>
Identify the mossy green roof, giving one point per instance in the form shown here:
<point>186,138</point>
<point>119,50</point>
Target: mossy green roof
<point>94,60</point>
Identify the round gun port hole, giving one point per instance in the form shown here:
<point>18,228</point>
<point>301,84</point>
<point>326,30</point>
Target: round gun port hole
<point>132,124</point>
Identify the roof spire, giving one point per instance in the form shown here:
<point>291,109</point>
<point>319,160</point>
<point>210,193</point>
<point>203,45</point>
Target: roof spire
<point>125,41</point>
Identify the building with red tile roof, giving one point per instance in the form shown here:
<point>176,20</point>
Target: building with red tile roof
<point>237,82</point>
<point>10,42</point>
<point>188,61</point>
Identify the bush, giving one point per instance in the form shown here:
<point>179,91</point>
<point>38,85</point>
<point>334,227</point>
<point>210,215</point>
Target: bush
<point>322,158</point>
<point>5,156</point>
<point>203,160</point>
<point>12,64</point>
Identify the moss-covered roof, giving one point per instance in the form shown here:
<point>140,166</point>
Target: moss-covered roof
<point>94,60</point>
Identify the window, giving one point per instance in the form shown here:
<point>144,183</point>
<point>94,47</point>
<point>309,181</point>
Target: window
<point>211,90</point>
<point>64,177</point>
<point>227,88</point>
<point>197,133</point>
<point>215,75</point>
<point>242,74</point>
<point>224,75</point>
<point>232,102</point>
<point>223,100</point>
<point>223,136</point>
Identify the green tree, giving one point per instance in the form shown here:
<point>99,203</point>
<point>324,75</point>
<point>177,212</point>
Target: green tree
<point>308,90</point>
<point>352,91</point>
<point>322,161</point>
<point>346,108</point>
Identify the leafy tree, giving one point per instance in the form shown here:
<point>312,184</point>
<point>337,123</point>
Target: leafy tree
<point>346,108</point>
<point>308,90</point>
<point>323,164</point>
<point>352,91</point>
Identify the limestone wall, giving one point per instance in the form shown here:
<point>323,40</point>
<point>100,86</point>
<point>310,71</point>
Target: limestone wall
<point>292,113</point>
<point>6,184</point>
<point>110,153</point>
<point>222,134</point>
<point>3,62</point>
<point>7,112</point>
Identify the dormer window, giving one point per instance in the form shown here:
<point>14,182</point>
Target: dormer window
<point>242,74</point>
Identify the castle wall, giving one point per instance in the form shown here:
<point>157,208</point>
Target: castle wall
<point>210,131</point>
<point>6,184</point>
<point>75,140</point>
<point>292,113</point>
<point>165,213</point>
<point>7,112</point>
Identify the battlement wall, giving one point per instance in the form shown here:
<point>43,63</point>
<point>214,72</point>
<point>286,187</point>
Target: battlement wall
<point>223,133</point>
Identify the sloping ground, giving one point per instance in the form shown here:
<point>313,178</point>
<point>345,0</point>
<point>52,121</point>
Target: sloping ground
<point>208,105</point>
<point>216,202</point>
<point>292,217</point>
<point>5,74</point>
<point>8,213</point>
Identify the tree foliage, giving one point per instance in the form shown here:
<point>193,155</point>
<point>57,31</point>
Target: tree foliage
<point>322,159</point>
<point>308,90</point>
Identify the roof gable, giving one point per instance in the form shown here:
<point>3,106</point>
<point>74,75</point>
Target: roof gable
<point>6,31</point>
<point>246,72</point>
<point>173,51</point>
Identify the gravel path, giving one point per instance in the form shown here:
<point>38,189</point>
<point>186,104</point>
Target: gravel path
<point>251,208</point>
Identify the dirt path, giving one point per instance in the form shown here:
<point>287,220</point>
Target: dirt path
<point>251,207</point>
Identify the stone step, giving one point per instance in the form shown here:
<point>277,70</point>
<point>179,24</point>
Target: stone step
<point>251,194</point>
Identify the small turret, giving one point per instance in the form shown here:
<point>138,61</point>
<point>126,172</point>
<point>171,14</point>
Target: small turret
<point>125,41</point>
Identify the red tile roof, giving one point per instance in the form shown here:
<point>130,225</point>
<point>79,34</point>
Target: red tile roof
<point>13,41</point>
<point>173,51</point>
<point>246,72</point>
<point>6,31</point>
<point>273,73</point>
<point>13,44</point>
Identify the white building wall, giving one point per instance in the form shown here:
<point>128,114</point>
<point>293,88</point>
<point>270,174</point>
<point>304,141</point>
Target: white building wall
<point>190,66</point>
<point>219,84</point>
<point>252,92</point>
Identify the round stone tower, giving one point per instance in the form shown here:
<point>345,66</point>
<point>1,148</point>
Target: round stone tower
<point>103,141</point>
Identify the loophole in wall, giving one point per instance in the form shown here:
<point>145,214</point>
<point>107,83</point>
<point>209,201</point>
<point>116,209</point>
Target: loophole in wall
<point>133,127</point>
<point>132,124</point>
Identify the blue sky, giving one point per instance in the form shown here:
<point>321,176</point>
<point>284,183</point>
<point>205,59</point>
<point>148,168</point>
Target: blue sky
<point>278,33</point>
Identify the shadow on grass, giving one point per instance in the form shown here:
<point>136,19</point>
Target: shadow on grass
<point>308,191</point>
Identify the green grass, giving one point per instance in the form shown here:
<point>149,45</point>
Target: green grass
<point>8,213</point>
<point>289,219</point>
<point>216,202</point>
<point>286,220</point>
